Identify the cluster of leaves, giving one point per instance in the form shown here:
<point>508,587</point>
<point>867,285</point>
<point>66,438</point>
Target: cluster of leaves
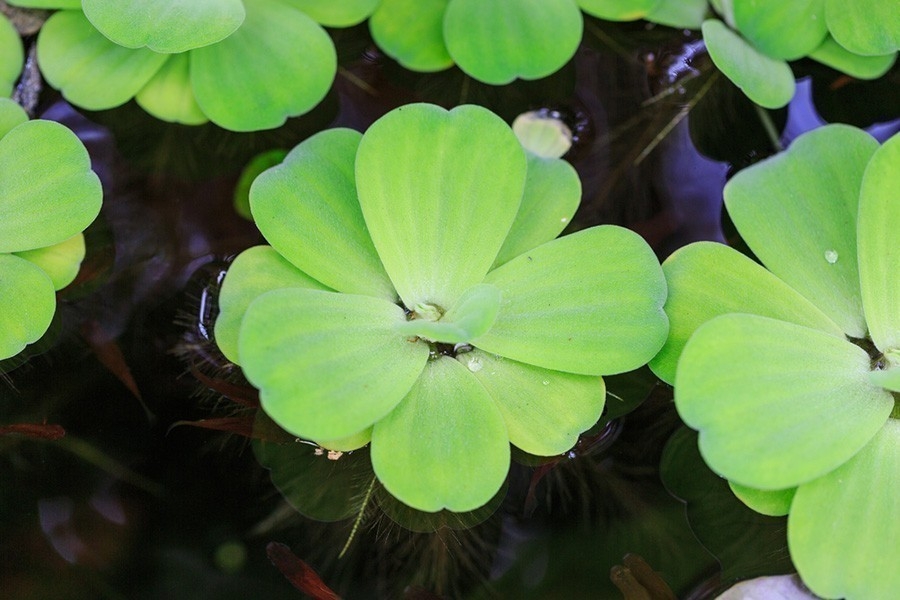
<point>791,372</point>
<point>413,297</point>
<point>245,65</point>
<point>48,196</point>
<point>755,38</point>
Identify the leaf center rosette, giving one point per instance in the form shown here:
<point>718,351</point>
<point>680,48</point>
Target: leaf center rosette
<point>791,372</point>
<point>245,65</point>
<point>48,196</point>
<point>413,296</point>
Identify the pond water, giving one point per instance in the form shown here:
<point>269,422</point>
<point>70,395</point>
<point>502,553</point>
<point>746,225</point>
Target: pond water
<point>139,466</point>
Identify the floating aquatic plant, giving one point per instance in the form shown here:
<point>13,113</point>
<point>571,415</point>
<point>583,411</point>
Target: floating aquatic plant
<point>13,56</point>
<point>48,196</point>
<point>791,372</point>
<point>386,310</point>
<point>243,64</point>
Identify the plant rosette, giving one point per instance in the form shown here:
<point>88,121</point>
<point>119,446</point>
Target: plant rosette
<point>497,41</point>
<point>755,39</point>
<point>13,57</point>
<point>48,196</point>
<point>791,372</point>
<point>245,65</point>
<point>409,300</point>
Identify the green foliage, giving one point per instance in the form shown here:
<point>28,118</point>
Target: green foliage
<point>379,306</point>
<point>789,376</point>
<point>48,196</point>
<point>13,57</point>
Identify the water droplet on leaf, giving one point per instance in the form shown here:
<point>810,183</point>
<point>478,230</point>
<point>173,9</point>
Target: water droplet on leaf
<point>831,256</point>
<point>474,364</point>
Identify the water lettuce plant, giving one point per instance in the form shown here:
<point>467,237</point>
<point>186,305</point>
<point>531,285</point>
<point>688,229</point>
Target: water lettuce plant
<point>497,41</point>
<point>754,39</point>
<point>791,372</point>
<point>243,64</point>
<point>13,56</point>
<point>408,300</point>
<point>48,196</point>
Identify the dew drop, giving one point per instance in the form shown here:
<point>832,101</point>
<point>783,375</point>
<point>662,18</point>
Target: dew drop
<point>831,256</point>
<point>474,364</point>
<point>545,382</point>
<point>564,220</point>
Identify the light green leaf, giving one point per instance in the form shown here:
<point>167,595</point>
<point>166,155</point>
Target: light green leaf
<point>552,194</point>
<point>254,169</point>
<point>165,26</point>
<point>445,445</point>
<point>254,272</point>
<point>497,41</point>
<point>888,379</point>
<point>46,3</point>
<point>278,64</point>
<point>788,30</point>
<point>13,56</point>
<point>797,212</point>
<point>169,96</point>
<point>412,33</point>
<point>834,55</point>
<point>707,279</point>
<point>307,208</point>
<point>765,80</point>
<point>48,192</point>
<point>327,365</point>
<point>348,443</point>
<point>776,404</point>
<point>337,14</point>
<point>28,301</point>
<point>439,191</point>
<point>683,14</point>
<point>843,528</point>
<point>544,410</point>
<point>91,71</point>
<point>471,317</point>
<point>543,135</point>
<point>11,115</point>
<point>60,262</point>
<point>588,303</point>
<point>775,503</point>
<point>867,27</point>
<point>879,245</point>
<point>618,10</point>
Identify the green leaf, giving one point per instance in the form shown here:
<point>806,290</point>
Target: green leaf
<point>327,365</point>
<point>412,33</point>
<point>684,14</point>
<point>888,379</point>
<point>775,503</point>
<point>776,404</point>
<point>258,164</point>
<point>91,71</point>
<point>834,55</point>
<point>60,262</point>
<point>445,445</point>
<point>471,317</point>
<point>619,10</point>
<point>439,191</point>
<point>879,246</point>
<point>46,3</point>
<point>707,279</point>
<point>278,64</point>
<point>552,194</point>
<point>28,301</point>
<point>11,115</point>
<point>165,26</point>
<point>307,208</point>
<point>254,272</point>
<point>337,14</point>
<point>13,56</point>
<point>765,80</point>
<point>843,528</point>
<point>169,96</point>
<point>797,212</point>
<point>867,27</point>
<point>542,135</point>
<point>788,30</point>
<point>588,303</point>
<point>544,410</point>
<point>497,41</point>
<point>48,192</point>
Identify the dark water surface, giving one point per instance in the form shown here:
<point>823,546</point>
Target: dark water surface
<point>110,488</point>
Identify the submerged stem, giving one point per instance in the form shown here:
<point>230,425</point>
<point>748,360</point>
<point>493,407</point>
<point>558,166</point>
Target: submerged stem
<point>359,517</point>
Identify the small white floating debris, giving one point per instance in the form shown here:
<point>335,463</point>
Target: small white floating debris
<point>831,256</point>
